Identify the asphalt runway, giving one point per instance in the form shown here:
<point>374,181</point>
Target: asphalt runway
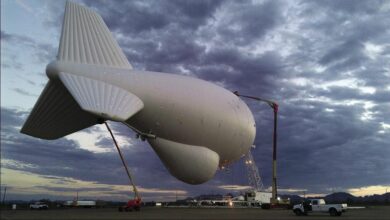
<point>379,212</point>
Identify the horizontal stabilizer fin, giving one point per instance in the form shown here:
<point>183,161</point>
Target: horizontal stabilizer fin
<point>56,114</point>
<point>102,99</point>
<point>86,39</point>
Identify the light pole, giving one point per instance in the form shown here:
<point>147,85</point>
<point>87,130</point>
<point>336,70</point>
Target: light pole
<point>275,107</point>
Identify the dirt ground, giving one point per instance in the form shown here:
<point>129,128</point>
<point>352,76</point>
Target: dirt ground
<point>378,212</point>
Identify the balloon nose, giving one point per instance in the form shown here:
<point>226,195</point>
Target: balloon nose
<point>249,126</point>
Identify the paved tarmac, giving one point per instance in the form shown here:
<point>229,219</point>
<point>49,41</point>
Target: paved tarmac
<point>379,212</point>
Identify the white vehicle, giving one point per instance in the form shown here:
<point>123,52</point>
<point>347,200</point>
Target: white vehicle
<point>319,205</point>
<point>257,198</point>
<point>86,203</point>
<point>39,205</point>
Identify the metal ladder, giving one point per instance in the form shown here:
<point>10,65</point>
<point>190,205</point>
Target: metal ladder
<point>253,172</point>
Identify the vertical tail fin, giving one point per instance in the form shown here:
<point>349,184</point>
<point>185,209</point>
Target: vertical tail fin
<point>85,38</point>
<point>73,103</point>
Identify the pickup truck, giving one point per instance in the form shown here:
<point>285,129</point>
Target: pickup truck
<point>39,205</point>
<point>319,205</point>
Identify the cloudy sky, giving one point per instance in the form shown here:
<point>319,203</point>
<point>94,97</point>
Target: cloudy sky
<point>327,63</point>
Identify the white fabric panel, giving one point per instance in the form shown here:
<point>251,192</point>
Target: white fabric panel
<point>85,38</point>
<point>56,114</point>
<point>100,98</point>
<point>191,164</point>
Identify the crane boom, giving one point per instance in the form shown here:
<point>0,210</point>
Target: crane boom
<point>124,163</point>
<point>275,108</point>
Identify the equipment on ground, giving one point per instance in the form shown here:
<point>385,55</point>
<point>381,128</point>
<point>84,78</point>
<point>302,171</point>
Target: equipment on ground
<point>131,205</point>
<point>134,204</point>
<point>275,201</point>
<point>257,196</point>
<point>39,205</point>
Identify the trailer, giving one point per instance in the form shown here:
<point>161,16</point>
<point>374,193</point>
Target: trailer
<point>254,199</point>
<point>258,198</point>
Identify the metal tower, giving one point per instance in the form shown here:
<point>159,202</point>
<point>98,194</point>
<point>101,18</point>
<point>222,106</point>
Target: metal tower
<point>253,173</point>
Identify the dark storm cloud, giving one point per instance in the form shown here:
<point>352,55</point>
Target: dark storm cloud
<point>245,70</point>
<point>139,16</point>
<point>352,6</point>
<point>175,43</point>
<point>245,21</point>
<point>375,74</point>
<point>348,53</point>
<point>382,112</point>
<point>336,34</point>
<point>340,93</point>
<point>165,51</point>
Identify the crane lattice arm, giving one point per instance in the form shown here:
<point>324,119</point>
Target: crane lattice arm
<point>253,173</point>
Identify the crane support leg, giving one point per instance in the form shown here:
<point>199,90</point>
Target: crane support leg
<point>124,163</point>
<point>274,106</point>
